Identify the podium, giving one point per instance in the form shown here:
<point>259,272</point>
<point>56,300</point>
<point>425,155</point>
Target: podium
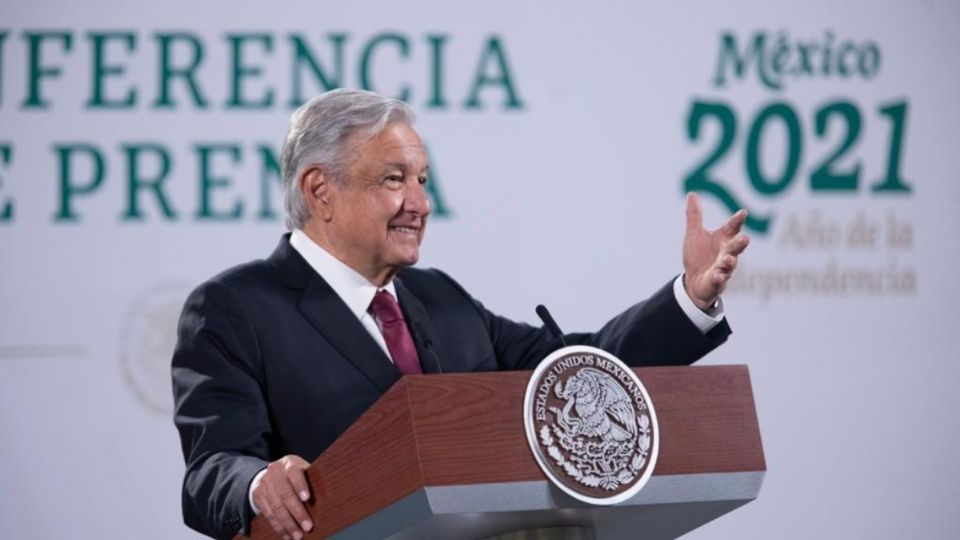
<point>446,457</point>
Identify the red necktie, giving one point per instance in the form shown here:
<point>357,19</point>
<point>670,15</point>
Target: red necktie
<point>395,333</point>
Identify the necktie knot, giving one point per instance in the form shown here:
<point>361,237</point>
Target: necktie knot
<point>395,332</point>
<point>386,308</point>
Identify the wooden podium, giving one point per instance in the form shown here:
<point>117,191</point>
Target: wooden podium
<point>446,457</point>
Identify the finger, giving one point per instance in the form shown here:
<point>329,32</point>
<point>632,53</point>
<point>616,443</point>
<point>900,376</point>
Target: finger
<point>266,510</point>
<point>267,513</point>
<point>295,508</point>
<point>694,212</point>
<point>283,524</point>
<point>719,279</point>
<point>296,474</point>
<point>280,512</point>
<point>728,263</point>
<point>737,245</point>
<point>263,503</point>
<point>735,223</point>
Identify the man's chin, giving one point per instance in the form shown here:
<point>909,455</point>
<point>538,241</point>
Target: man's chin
<point>406,259</point>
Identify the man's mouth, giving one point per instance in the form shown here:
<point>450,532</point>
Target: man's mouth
<point>405,229</point>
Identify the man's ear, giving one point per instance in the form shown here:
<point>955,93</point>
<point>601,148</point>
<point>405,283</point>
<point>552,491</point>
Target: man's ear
<point>315,186</point>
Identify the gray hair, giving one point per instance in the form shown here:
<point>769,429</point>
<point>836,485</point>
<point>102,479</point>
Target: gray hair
<point>319,131</point>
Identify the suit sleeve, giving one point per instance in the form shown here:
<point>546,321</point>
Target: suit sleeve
<point>657,332</point>
<point>220,411</point>
<point>654,332</point>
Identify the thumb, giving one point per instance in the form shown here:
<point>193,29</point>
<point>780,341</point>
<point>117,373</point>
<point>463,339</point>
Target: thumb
<point>694,212</point>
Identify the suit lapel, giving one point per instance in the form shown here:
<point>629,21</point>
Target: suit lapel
<point>429,348</point>
<point>332,318</point>
<point>327,313</point>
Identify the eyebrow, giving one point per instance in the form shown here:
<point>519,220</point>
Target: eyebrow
<point>402,166</point>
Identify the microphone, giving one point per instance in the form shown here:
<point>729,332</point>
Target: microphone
<point>550,323</point>
<point>426,341</point>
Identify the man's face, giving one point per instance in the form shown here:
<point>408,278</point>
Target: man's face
<point>379,216</point>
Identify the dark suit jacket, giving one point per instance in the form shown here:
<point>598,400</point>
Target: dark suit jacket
<point>270,361</point>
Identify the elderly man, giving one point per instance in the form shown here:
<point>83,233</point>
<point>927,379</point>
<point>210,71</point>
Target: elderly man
<point>277,357</point>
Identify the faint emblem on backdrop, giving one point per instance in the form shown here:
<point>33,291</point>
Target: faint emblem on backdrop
<point>147,337</point>
<point>591,425</point>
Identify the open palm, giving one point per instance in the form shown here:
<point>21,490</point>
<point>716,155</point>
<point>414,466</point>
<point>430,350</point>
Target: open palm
<point>710,257</point>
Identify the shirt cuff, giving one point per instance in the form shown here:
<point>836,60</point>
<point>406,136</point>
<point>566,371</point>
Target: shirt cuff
<point>253,482</point>
<point>704,320</point>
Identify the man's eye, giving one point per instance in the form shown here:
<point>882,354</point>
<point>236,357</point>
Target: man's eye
<point>422,180</point>
<point>394,178</point>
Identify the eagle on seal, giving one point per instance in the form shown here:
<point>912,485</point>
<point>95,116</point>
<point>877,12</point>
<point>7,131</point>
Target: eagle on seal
<point>603,408</point>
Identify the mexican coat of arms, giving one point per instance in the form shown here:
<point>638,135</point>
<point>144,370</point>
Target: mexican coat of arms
<point>591,425</point>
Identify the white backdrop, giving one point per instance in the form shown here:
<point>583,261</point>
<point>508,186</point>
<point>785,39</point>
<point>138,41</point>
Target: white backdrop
<point>579,143</point>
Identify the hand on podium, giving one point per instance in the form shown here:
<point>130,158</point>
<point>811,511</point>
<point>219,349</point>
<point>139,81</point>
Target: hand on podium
<point>279,495</point>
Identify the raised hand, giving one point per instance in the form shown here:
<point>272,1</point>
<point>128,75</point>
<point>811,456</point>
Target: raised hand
<point>710,257</point>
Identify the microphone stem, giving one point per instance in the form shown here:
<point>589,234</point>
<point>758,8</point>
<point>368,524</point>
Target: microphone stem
<point>550,324</point>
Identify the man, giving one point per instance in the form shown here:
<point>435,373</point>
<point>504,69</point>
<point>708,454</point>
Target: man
<point>277,357</point>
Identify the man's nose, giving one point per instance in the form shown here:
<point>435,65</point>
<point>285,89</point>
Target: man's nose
<point>417,199</point>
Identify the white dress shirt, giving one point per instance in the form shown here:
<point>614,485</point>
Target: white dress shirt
<point>704,320</point>
<point>357,293</point>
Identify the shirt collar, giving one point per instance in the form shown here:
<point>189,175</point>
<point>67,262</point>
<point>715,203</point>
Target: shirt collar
<point>354,289</point>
